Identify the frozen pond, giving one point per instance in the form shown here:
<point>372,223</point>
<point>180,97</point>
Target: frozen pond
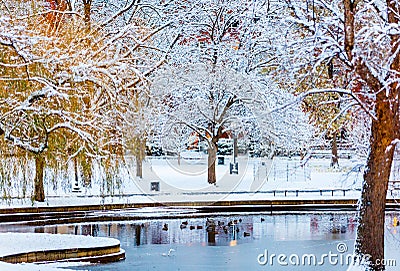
<point>222,242</point>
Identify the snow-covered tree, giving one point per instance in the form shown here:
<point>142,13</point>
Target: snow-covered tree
<point>361,38</point>
<point>209,100</point>
<point>175,138</point>
<point>38,102</point>
<point>359,133</point>
<point>220,64</point>
<point>291,132</point>
<point>223,32</point>
<point>65,85</point>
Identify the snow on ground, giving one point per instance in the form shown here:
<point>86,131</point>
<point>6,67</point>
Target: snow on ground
<point>355,268</point>
<point>187,177</point>
<point>256,174</point>
<point>258,178</point>
<point>29,242</point>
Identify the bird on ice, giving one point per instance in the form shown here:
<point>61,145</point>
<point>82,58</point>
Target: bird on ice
<point>169,252</point>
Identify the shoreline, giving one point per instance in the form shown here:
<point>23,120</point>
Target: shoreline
<point>137,211</point>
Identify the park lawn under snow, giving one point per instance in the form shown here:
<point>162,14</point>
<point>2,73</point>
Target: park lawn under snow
<point>257,178</point>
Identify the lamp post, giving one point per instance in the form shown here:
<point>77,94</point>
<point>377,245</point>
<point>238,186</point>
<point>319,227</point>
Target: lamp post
<point>76,188</point>
<point>235,148</point>
<point>234,167</point>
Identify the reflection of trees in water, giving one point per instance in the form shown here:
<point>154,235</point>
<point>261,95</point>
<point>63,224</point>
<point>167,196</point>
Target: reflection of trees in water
<point>158,235</point>
<point>222,231</point>
<point>138,230</point>
<point>340,224</point>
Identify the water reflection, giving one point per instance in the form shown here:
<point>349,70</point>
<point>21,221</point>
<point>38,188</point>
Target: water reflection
<point>211,231</point>
<point>222,242</point>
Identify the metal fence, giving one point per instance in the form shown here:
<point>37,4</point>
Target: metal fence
<point>289,170</point>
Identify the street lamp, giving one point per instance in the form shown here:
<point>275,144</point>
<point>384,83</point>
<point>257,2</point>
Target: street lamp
<point>234,167</point>
<point>76,188</point>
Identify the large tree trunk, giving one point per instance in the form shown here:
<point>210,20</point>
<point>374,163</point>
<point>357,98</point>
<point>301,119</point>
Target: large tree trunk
<point>86,10</point>
<point>370,237</point>
<point>335,158</point>
<point>87,172</point>
<point>140,155</point>
<point>54,18</point>
<point>39,178</point>
<point>384,129</point>
<point>212,156</point>
<point>76,179</point>
<point>139,167</point>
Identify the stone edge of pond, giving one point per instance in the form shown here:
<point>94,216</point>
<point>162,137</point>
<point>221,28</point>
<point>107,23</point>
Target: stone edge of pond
<point>100,254</point>
<point>20,214</point>
<point>178,204</point>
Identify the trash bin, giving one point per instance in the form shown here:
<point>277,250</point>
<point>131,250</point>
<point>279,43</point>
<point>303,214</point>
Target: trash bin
<point>155,186</point>
<point>234,168</point>
<point>221,160</point>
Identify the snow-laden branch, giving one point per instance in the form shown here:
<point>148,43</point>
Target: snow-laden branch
<point>119,13</point>
<point>157,65</point>
<point>341,113</point>
<point>302,96</point>
<point>44,13</point>
<point>27,145</point>
<point>45,92</point>
<point>66,125</point>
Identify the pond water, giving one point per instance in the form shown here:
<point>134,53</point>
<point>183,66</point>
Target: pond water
<point>227,242</point>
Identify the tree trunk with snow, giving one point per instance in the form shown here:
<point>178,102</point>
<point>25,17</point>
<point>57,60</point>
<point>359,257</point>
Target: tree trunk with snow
<point>139,166</point>
<point>370,238</point>
<point>335,158</point>
<point>39,178</point>
<point>86,166</point>
<point>86,10</point>
<point>212,156</point>
<point>140,155</point>
<point>384,129</point>
<point>76,172</point>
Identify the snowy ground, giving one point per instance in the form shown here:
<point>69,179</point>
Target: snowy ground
<point>258,178</point>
